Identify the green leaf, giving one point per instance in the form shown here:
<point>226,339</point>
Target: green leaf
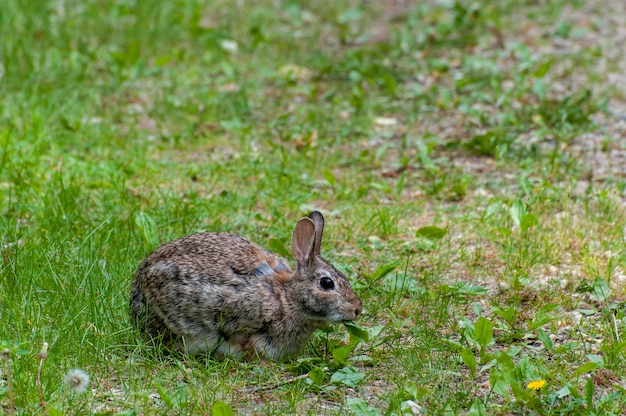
<point>499,381</point>
<point>618,348</point>
<point>512,351</point>
<point>467,355</point>
<point>54,411</point>
<point>586,368</point>
<point>148,228</point>
<point>400,183</point>
<point>430,232</point>
<point>317,376</point>
<point>351,15</point>
<point>545,338</point>
<point>543,316</point>
<point>130,412</point>
<point>486,144</point>
<point>347,376</point>
<point>164,396</point>
<point>362,358</point>
<point>601,290</point>
<point>528,221</point>
<point>360,407</point>
<point>356,331</point>
<point>505,360</point>
<point>564,392</point>
<point>470,289</point>
<point>330,178</point>
<point>384,270</point>
<point>594,358</point>
<point>483,331</point>
<point>411,388</point>
<point>341,354</point>
<point>490,362</point>
<point>485,358</point>
<point>477,409</point>
<point>521,394</point>
<point>573,392</point>
<point>506,232</point>
<point>220,408</point>
<point>374,332</point>
<point>400,284</point>
<point>179,398</point>
<point>508,314</point>
<point>543,69</point>
<point>590,388</point>
<point>517,212</point>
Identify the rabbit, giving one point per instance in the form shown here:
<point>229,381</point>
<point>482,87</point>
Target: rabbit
<point>221,294</point>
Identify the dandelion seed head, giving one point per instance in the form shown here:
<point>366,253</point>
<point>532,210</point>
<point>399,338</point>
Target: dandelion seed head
<point>43,354</point>
<point>77,380</point>
<point>229,45</point>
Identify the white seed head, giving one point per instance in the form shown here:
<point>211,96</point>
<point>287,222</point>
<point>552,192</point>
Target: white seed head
<point>76,380</point>
<point>229,45</point>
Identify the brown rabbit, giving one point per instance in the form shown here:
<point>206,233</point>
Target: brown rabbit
<point>220,293</point>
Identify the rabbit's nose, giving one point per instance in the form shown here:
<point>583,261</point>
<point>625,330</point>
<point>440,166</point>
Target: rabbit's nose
<point>358,310</point>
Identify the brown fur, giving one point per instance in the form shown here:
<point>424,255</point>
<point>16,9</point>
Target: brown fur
<point>221,293</point>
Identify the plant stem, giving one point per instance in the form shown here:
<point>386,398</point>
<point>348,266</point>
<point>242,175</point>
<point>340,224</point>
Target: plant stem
<point>7,354</point>
<point>42,356</point>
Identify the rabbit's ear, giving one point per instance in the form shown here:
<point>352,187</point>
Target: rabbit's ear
<point>303,241</point>
<point>318,221</point>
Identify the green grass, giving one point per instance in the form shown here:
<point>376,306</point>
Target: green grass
<point>442,141</point>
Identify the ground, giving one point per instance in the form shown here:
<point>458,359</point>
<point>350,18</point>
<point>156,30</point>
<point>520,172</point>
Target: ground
<point>469,157</point>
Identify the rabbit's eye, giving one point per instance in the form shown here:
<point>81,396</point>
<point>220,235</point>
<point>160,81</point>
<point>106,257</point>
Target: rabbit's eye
<point>327,283</point>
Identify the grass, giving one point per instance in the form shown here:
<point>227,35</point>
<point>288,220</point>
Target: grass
<point>461,154</point>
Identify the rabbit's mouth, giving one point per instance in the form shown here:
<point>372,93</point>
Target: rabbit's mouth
<point>338,317</point>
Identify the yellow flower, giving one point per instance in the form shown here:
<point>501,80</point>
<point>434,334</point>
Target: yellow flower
<point>536,384</point>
